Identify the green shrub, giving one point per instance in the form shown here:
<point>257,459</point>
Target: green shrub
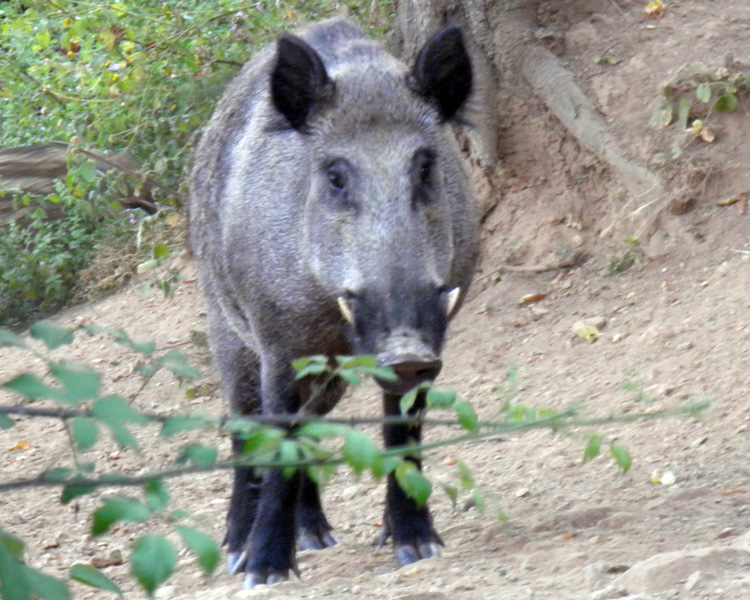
<point>108,77</point>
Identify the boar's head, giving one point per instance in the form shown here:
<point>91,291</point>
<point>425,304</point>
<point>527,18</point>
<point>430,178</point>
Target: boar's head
<point>388,216</point>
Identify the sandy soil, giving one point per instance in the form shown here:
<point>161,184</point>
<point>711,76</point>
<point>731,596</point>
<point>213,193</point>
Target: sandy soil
<point>675,328</point>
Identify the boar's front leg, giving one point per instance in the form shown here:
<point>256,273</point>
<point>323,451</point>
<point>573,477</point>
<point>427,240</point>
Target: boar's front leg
<point>239,368</point>
<point>270,545</point>
<point>414,537</point>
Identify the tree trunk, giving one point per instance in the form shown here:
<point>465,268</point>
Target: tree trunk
<point>504,41</point>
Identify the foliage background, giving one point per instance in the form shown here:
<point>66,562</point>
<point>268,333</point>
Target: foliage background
<point>136,77</point>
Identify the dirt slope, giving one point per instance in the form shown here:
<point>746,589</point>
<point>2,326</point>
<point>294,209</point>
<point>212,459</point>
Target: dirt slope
<point>676,328</point>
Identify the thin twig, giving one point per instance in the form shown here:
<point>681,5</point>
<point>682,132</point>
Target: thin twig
<point>554,422</point>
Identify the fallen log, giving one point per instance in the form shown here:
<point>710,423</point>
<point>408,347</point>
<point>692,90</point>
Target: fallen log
<point>35,168</point>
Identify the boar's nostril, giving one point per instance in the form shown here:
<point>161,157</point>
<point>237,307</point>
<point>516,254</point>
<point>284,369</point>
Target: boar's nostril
<point>412,373</point>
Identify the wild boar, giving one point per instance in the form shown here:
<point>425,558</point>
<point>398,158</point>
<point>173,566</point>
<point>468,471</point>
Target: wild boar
<point>330,214</point>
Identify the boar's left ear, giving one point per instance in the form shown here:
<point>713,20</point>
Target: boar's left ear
<point>442,73</point>
<point>299,80</point>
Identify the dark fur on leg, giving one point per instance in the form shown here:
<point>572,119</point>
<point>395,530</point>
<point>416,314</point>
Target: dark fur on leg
<point>414,537</point>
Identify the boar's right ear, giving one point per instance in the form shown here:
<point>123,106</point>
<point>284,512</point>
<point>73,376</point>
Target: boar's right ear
<point>299,80</point>
<point>442,73</point>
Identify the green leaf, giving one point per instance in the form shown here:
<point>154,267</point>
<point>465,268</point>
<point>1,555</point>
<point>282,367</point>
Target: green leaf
<point>662,115</point>
<point>264,439</point>
<point>452,493</point>
<point>52,335</point>
<point>517,413</point>
<point>58,474</point>
<point>87,171</point>
<point>382,373</point>
<point>300,363</point>
<point>118,508</point>
<point>349,376</point>
<point>478,498</point>
<point>122,435</point>
<point>122,338</point>
<point>177,363</point>
<point>320,429</point>
<point>726,103</point>
<point>683,113</point>
<point>703,92</point>
<point>408,400</point>
<point>465,476</point>
<point>161,251</point>
<point>30,386</point>
<point>466,416</point>
<point>175,425</point>
<point>13,582</point>
<point>85,432</point>
<point>90,576</point>
<point>621,456</point>
<point>288,455</point>
<point>411,480</point>
<point>311,369</point>
<point>350,362</point>
<point>5,421</point>
<point>359,451</point>
<point>12,544</point>
<point>44,586</point>
<point>153,561</point>
<point>200,456</point>
<point>114,410</point>
<point>203,546</point>
<point>43,39</point>
<point>385,465</point>
<point>8,338</point>
<point>157,495</point>
<point>440,398</point>
<point>592,448</point>
<point>75,490</point>
<point>146,370</point>
<point>80,382</point>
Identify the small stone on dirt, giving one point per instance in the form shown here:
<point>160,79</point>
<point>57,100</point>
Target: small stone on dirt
<point>351,492</point>
<point>113,559</point>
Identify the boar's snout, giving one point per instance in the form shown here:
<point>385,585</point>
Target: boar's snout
<point>403,325</point>
<point>410,374</point>
<point>412,361</point>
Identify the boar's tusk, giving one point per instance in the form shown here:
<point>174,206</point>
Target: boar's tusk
<point>346,309</point>
<point>452,300</point>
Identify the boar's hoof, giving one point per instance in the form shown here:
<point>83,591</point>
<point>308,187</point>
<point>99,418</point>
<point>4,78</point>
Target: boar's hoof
<point>407,554</point>
<point>236,562</point>
<point>254,579</point>
<point>308,539</point>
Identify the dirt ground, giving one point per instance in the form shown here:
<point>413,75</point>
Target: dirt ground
<point>674,328</point>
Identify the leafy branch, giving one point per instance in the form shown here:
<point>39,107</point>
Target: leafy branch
<point>285,442</point>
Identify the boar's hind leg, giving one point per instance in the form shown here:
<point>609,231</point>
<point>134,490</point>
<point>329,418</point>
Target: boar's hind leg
<point>414,537</point>
<point>313,529</point>
<point>240,374</point>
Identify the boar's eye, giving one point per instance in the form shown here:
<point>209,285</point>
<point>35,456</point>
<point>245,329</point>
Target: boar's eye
<point>336,180</point>
<point>423,170</point>
<point>338,175</point>
<point>424,161</point>
<point>335,172</point>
